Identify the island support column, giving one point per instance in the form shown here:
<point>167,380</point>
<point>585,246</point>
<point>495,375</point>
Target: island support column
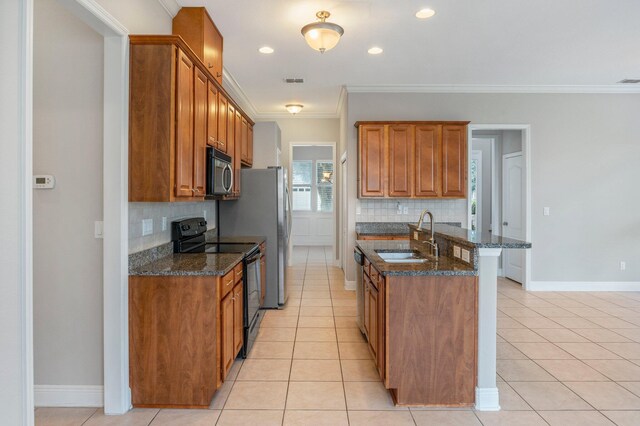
<point>487,398</point>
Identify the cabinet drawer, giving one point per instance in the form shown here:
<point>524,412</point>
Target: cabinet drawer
<point>374,276</point>
<point>226,284</point>
<point>237,272</point>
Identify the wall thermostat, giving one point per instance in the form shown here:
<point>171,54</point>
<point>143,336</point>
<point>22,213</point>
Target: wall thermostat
<point>44,181</point>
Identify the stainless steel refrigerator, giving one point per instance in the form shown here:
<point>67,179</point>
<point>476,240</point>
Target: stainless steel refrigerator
<point>263,210</point>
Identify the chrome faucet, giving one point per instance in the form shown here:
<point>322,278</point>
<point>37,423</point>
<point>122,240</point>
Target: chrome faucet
<point>431,241</point>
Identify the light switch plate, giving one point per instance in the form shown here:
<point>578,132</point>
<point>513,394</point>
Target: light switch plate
<point>147,227</point>
<point>456,252</point>
<point>164,223</point>
<point>465,256</point>
<point>546,211</point>
<point>405,210</point>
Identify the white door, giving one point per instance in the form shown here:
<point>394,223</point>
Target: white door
<point>513,213</point>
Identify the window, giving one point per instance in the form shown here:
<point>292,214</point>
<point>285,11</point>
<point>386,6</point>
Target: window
<point>324,182</point>
<point>301,185</point>
<point>309,194</point>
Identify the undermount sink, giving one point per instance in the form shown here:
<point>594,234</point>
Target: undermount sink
<point>407,256</point>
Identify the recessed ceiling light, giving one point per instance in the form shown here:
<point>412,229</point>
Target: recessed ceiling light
<point>425,13</point>
<point>375,51</point>
<point>266,50</point>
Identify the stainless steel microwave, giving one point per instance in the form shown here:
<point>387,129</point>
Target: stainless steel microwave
<point>219,173</point>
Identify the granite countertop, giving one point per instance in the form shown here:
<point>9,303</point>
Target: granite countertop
<point>387,228</point>
<point>442,266</point>
<point>237,240</point>
<point>479,240</point>
<point>200,264</point>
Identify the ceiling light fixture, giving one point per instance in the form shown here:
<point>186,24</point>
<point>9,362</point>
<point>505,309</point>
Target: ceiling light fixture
<point>266,50</point>
<point>322,35</point>
<point>294,108</point>
<point>425,13</point>
<point>375,51</point>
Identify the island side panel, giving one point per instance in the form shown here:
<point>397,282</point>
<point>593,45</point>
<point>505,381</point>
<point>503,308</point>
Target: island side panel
<point>172,340</point>
<point>431,340</point>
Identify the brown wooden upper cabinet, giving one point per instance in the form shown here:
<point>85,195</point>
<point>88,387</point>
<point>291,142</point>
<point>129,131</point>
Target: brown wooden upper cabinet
<point>196,27</point>
<point>371,158</point>
<point>426,159</point>
<point>167,125</point>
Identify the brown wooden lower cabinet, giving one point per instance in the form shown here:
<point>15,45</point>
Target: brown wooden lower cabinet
<point>172,340</point>
<point>184,335</point>
<point>422,334</point>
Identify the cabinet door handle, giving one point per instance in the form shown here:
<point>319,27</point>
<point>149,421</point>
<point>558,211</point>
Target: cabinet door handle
<point>505,223</point>
<point>210,66</point>
<point>218,74</point>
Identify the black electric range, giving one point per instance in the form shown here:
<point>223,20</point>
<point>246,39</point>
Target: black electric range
<point>188,236</point>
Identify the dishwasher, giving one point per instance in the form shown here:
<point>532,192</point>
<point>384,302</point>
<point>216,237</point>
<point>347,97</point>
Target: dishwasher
<point>359,258</point>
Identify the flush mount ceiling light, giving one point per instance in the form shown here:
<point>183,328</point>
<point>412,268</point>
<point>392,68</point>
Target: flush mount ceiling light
<point>375,51</point>
<point>294,108</point>
<point>425,13</point>
<point>266,50</point>
<point>322,35</point>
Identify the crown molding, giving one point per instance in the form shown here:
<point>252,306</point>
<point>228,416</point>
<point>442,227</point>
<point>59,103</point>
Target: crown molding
<point>232,86</point>
<point>479,88</point>
<point>170,6</point>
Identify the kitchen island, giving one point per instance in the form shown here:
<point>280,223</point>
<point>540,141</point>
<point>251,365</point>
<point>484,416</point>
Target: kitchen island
<point>431,326</point>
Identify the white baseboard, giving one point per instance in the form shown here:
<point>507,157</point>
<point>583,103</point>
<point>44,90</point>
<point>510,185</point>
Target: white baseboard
<point>68,396</point>
<point>349,285</point>
<point>584,286</point>
<point>487,399</point>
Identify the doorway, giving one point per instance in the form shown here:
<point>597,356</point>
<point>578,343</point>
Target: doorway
<point>500,191</point>
<point>313,180</point>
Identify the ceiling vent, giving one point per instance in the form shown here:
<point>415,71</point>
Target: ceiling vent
<point>294,80</point>
<point>630,81</point>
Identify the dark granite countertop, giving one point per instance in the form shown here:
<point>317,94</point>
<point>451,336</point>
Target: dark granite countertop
<point>190,264</point>
<point>236,240</point>
<point>479,240</point>
<point>442,266</point>
<point>387,228</point>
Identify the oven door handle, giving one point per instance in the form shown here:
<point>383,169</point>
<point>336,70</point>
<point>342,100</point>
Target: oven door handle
<point>253,258</point>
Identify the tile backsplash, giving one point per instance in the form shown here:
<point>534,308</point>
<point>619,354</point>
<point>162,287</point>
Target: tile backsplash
<point>388,211</point>
<point>156,211</point>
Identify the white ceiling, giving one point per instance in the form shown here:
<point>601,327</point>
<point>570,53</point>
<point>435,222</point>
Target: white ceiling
<point>475,45</point>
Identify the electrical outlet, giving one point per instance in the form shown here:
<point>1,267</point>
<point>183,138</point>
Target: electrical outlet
<point>98,229</point>
<point>204,214</point>
<point>456,252</point>
<point>623,265</point>
<point>415,235</point>
<point>465,256</point>
<point>399,208</point>
<point>147,227</point>
<point>358,210</point>
<point>164,223</point>
<point>546,211</point>
<point>405,210</point>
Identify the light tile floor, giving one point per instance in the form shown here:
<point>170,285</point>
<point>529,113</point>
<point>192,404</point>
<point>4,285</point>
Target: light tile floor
<point>563,359</point>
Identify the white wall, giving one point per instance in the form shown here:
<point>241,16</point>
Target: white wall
<point>13,347</point>
<point>67,144</point>
<point>139,16</point>
<point>584,153</point>
<point>484,146</point>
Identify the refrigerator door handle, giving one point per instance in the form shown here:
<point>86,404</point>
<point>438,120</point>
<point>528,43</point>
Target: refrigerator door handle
<point>288,212</point>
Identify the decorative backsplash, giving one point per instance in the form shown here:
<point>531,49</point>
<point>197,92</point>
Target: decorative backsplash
<point>387,210</point>
<point>155,212</point>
